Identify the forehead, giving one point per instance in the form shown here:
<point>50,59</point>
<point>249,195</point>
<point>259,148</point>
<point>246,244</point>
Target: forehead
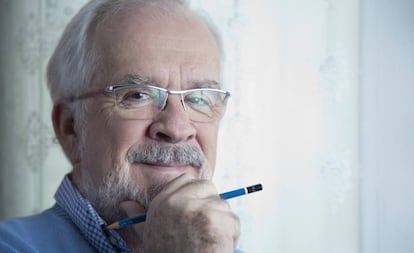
<point>150,41</point>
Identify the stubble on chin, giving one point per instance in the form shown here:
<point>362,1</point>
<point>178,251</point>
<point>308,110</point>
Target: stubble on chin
<point>115,187</point>
<point>118,185</point>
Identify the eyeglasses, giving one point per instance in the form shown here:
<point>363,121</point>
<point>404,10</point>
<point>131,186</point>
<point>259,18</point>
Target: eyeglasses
<point>143,101</point>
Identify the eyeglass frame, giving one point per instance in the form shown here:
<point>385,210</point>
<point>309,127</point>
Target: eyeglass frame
<point>112,89</point>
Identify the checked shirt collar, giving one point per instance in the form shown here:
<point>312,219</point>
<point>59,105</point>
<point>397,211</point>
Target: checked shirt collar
<point>88,220</point>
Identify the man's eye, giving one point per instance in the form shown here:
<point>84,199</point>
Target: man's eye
<point>198,100</point>
<point>137,96</point>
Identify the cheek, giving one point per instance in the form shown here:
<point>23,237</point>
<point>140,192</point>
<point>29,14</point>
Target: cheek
<point>126,134</point>
<point>97,151</point>
<point>108,142</point>
<point>207,139</point>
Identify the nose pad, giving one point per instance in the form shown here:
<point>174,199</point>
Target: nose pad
<point>164,104</point>
<point>182,102</point>
<point>172,124</point>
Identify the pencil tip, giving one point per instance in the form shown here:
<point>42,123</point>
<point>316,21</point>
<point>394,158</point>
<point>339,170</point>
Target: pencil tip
<point>112,226</point>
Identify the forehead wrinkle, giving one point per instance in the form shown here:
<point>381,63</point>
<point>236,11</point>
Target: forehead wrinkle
<point>196,83</point>
<point>135,78</point>
<point>148,15</point>
<point>206,83</point>
<point>181,36</point>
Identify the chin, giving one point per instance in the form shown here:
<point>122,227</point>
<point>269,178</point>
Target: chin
<point>156,175</point>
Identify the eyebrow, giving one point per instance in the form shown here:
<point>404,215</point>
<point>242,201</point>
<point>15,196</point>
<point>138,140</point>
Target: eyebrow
<point>140,79</point>
<point>137,79</point>
<point>207,84</point>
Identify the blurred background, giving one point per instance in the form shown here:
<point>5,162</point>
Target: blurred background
<point>321,113</point>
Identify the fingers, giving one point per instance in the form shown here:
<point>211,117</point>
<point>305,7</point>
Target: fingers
<point>189,216</point>
<point>190,184</point>
<point>184,188</point>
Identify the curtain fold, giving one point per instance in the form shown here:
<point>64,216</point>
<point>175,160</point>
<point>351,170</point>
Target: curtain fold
<point>32,164</point>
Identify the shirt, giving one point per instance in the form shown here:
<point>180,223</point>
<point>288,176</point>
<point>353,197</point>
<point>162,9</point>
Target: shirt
<point>71,225</point>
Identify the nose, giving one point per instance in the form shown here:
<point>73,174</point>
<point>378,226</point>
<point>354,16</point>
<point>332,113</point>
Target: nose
<point>172,124</point>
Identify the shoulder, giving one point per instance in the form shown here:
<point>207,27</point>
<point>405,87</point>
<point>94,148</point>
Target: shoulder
<point>16,235</point>
<point>49,231</point>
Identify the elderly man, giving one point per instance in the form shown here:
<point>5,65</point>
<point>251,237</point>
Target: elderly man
<point>137,105</point>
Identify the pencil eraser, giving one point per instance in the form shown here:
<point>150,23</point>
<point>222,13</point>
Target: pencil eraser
<point>254,188</point>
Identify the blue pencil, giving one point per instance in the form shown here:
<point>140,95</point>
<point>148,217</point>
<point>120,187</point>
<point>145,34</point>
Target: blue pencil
<point>225,195</point>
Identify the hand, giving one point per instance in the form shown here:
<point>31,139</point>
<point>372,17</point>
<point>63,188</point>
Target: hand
<point>189,216</point>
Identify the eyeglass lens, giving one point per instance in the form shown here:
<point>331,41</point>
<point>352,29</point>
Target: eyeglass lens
<point>145,102</point>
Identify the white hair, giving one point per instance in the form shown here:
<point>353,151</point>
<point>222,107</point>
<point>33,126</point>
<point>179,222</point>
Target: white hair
<point>75,61</point>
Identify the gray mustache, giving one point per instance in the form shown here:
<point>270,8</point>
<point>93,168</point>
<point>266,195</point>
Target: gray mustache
<point>166,154</point>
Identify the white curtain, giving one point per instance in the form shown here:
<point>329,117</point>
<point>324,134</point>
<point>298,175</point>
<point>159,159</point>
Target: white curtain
<point>293,122</point>
<point>32,164</point>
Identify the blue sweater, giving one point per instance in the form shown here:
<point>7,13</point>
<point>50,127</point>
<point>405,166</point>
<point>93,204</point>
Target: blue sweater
<point>50,231</point>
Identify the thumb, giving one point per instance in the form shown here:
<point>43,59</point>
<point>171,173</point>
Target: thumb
<point>132,208</point>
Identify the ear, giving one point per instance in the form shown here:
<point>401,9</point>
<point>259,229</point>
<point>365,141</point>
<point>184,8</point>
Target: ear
<point>64,126</point>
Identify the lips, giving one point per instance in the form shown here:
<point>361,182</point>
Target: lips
<point>168,168</point>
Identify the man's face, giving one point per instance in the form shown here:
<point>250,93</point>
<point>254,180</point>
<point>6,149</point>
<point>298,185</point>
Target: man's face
<point>173,51</point>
